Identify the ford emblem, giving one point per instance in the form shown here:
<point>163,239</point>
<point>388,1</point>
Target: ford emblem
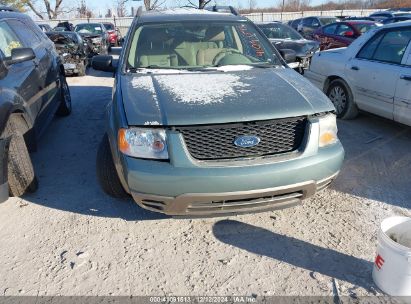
<point>246,141</point>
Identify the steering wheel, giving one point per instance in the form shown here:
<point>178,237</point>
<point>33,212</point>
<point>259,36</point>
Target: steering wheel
<point>224,53</point>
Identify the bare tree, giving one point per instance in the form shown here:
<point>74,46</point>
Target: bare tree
<point>121,8</point>
<point>251,5</point>
<point>153,4</point>
<point>201,3</point>
<point>43,7</point>
<point>83,11</point>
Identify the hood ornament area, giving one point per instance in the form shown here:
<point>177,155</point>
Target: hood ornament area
<point>247,141</point>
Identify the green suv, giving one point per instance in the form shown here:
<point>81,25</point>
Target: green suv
<point>206,118</point>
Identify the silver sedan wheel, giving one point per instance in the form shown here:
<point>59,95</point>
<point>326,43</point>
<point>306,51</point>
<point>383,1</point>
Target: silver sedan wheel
<point>339,98</point>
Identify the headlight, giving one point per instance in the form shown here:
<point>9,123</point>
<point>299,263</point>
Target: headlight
<point>328,130</point>
<point>143,143</point>
<point>65,54</point>
<point>96,40</point>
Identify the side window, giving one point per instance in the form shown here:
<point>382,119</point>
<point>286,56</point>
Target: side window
<point>342,29</point>
<point>388,46</point>
<point>26,34</point>
<point>315,23</point>
<point>330,29</point>
<point>308,21</point>
<point>8,39</point>
<point>392,47</point>
<point>367,52</point>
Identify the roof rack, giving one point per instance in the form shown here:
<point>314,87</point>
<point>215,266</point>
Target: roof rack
<point>223,9</point>
<point>7,9</point>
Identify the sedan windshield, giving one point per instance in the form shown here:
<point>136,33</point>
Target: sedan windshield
<point>364,27</point>
<point>280,31</point>
<point>198,45</point>
<point>88,28</point>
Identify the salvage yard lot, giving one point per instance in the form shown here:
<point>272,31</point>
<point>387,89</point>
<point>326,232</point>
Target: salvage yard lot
<point>69,238</point>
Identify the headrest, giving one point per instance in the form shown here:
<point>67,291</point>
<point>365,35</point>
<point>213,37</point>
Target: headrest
<point>215,34</point>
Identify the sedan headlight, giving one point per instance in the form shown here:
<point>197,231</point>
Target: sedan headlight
<point>96,40</point>
<point>143,143</point>
<point>328,130</point>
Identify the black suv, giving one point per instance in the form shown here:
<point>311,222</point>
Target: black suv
<point>33,88</point>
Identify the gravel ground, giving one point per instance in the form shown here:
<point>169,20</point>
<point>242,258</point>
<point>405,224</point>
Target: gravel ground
<point>69,238</point>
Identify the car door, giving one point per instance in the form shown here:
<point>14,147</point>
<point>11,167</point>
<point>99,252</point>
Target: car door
<point>47,86</point>
<point>402,101</point>
<point>375,70</point>
<point>343,36</point>
<point>22,77</point>
<point>327,36</point>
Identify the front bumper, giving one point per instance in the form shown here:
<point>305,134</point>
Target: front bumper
<point>233,202</point>
<point>185,186</point>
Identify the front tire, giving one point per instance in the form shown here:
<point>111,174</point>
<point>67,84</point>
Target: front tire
<point>20,175</point>
<point>342,98</point>
<point>65,98</point>
<point>106,171</point>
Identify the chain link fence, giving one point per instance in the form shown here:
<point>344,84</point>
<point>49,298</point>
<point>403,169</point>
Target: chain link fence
<point>123,23</point>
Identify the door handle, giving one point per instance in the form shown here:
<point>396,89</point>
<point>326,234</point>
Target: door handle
<point>406,77</point>
<point>355,68</point>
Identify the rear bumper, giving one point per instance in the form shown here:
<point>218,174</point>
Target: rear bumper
<point>201,204</point>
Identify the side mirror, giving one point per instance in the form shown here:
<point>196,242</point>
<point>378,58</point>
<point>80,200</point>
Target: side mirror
<point>348,34</point>
<point>288,55</point>
<point>20,55</point>
<point>103,63</point>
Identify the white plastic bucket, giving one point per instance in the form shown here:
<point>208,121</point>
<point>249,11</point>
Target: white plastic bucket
<point>392,266</point>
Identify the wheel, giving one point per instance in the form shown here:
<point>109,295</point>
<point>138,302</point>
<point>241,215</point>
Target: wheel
<point>81,69</point>
<point>65,98</point>
<point>109,48</point>
<point>342,98</point>
<point>106,171</point>
<point>20,172</point>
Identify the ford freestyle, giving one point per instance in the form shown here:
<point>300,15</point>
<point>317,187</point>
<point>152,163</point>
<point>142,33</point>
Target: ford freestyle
<point>206,118</point>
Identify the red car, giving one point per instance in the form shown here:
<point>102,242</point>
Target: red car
<point>341,34</point>
<point>114,36</point>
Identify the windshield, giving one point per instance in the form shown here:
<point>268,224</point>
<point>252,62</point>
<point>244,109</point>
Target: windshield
<point>198,45</point>
<point>329,20</point>
<point>280,31</point>
<point>364,27</point>
<point>88,28</point>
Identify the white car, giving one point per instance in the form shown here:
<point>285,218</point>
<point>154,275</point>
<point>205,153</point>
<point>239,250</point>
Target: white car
<point>372,74</point>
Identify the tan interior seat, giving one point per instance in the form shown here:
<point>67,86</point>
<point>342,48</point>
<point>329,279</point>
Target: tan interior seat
<point>155,49</point>
<point>214,35</point>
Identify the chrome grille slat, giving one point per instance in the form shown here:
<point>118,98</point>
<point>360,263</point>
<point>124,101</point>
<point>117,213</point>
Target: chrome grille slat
<point>216,142</point>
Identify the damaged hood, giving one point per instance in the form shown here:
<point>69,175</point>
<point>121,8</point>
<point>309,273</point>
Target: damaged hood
<point>302,47</point>
<point>218,97</point>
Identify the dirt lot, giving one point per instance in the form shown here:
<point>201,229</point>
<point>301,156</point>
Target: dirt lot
<point>69,238</point>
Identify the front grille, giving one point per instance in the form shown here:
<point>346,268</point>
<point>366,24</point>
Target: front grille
<point>216,142</point>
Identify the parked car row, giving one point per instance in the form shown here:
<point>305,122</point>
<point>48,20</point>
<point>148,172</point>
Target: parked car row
<point>33,89</point>
<point>285,38</point>
<point>78,44</point>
